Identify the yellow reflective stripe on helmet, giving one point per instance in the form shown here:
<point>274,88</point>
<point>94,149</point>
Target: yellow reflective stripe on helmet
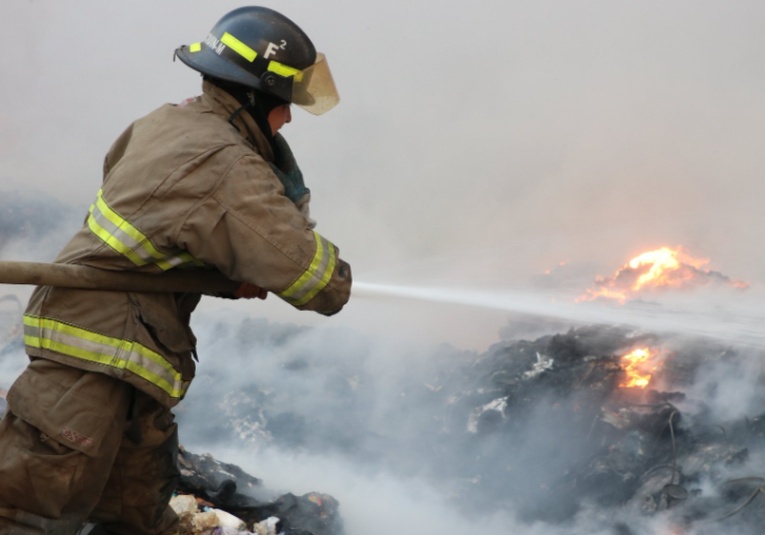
<point>46,333</point>
<point>285,70</point>
<point>195,47</point>
<point>239,47</point>
<point>127,240</point>
<point>316,277</point>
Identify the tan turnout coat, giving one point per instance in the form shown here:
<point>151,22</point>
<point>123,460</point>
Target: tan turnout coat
<point>183,189</point>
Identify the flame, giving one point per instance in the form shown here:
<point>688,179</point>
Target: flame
<point>652,270</point>
<point>664,267</point>
<point>638,368</point>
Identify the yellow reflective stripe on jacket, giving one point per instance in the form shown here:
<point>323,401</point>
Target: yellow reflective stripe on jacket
<point>127,240</point>
<point>46,333</point>
<point>316,277</point>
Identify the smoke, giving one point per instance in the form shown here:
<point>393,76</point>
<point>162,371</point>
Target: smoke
<point>11,347</point>
<point>33,225</point>
<point>728,380</point>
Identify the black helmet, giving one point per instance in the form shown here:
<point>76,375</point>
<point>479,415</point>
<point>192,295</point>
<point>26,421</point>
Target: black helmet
<point>260,48</point>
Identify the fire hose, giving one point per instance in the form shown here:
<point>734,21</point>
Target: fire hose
<point>90,278</point>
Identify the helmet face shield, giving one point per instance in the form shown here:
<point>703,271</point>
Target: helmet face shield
<point>313,88</point>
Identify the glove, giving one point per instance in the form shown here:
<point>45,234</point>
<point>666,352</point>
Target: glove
<point>248,291</point>
<point>245,291</point>
<point>286,169</point>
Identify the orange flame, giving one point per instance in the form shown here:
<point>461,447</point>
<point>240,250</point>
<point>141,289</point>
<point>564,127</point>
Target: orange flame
<point>637,368</point>
<point>664,267</point>
<point>660,268</point>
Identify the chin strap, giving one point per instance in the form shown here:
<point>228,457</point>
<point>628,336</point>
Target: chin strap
<point>236,114</point>
<point>256,111</point>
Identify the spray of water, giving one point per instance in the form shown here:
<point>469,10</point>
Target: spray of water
<point>736,319</point>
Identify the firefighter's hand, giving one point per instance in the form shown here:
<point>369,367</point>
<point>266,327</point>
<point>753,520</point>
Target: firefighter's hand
<point>249,291</point>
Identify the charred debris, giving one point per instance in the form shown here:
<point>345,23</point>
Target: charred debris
<point>218,486</point>
<point>544,428</point>
<point>554,416</point>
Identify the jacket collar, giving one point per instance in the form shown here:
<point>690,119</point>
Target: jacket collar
<point>224,105</point>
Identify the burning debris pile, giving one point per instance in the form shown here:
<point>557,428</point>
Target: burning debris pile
<point>657,270</point>
<point>599,421</point>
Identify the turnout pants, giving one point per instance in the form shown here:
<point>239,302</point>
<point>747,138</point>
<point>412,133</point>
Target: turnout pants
<point>79,446</point>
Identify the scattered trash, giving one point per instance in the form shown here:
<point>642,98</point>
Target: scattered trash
<point>269,526</point>
<point>238,502</point>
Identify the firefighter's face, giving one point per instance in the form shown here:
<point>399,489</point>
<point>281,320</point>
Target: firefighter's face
<point>279,116</point>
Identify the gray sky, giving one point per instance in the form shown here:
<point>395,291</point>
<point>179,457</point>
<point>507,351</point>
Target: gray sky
<point>475,141</point>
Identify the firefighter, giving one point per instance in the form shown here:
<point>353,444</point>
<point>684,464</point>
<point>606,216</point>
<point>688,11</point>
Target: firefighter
<point>89,435</point>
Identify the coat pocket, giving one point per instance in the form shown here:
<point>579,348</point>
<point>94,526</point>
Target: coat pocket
<point>159,324</point>
<point>160,315</point>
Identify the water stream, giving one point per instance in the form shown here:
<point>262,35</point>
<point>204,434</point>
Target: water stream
<point>736,318</point>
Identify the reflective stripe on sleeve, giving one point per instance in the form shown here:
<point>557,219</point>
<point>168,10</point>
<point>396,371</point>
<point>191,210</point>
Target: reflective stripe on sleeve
<point>46,333</point>
<point>127,240</point>
<point>316,277</point>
